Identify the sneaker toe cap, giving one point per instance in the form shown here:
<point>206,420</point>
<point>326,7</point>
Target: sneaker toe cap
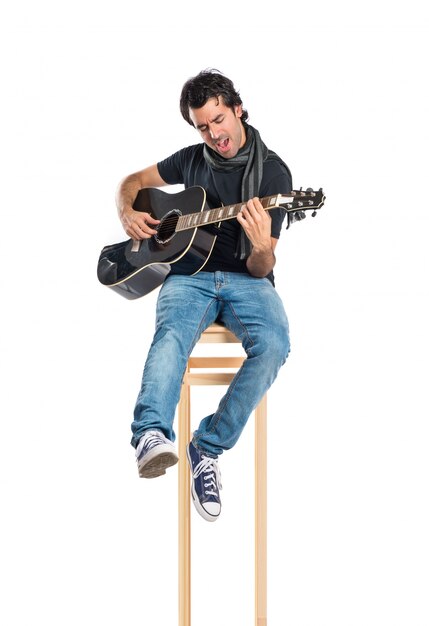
<point>212,508</point>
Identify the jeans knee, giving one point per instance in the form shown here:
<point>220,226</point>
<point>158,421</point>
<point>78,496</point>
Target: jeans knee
<point>275,346</point>
<point>281,346</point>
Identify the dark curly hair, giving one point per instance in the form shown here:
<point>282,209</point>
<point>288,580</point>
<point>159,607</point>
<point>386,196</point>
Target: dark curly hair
<point>208,84</point>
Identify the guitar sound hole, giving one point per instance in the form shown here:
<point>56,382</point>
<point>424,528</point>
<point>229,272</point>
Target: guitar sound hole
<point>167,228</point>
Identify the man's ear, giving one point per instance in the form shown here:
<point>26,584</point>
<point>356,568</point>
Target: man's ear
<point>238,110</point>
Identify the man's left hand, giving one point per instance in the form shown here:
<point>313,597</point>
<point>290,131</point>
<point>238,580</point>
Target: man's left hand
<point>256,222</point>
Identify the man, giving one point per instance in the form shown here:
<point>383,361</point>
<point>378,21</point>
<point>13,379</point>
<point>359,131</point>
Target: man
<point>235,286</point>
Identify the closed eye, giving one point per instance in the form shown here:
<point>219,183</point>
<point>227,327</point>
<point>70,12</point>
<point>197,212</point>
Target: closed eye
<point>217,120</point>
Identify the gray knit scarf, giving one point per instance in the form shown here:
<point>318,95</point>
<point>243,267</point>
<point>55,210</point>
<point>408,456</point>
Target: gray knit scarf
<point>251,157</point>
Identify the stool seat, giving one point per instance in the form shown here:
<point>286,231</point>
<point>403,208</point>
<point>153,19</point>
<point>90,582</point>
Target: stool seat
<point>216,333</point>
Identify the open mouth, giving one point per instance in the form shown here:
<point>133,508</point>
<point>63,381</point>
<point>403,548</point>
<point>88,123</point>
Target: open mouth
<point>223,145</point>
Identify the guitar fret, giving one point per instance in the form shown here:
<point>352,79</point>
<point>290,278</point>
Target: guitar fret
<point>211,216</point>
<point>214,215</point>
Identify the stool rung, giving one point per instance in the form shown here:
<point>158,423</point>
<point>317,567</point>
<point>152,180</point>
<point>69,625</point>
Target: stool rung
<point>215,361</point>
<point>209,378</point>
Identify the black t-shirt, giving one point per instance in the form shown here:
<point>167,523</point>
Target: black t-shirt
<point>188,167</point>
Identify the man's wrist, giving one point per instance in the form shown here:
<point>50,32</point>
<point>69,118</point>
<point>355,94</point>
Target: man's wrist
<point>263,250</point>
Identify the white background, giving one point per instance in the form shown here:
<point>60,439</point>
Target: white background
<point>90,94</point>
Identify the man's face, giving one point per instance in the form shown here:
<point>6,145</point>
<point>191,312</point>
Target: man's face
<point>220,127</point>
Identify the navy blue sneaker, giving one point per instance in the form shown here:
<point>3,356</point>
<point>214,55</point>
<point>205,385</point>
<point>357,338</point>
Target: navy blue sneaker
<point>205,483</point>
<point>154,454</point>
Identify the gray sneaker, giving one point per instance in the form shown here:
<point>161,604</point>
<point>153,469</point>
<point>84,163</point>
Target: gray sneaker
<point>154,454</point>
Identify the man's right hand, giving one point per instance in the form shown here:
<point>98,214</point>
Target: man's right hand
<point>137,224</point>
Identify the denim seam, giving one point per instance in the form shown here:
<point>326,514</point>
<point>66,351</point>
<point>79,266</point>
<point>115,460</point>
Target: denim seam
<point>243,327</point>
<point>224,402</point>
<point>235,379</point>
<point>199,330</point>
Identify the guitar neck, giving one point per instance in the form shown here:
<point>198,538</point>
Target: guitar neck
<point>213,216</point>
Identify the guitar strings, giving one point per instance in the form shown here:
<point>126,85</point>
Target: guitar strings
<point>169,221</point>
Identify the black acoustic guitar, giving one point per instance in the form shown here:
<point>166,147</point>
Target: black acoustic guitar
<point>187,231</point>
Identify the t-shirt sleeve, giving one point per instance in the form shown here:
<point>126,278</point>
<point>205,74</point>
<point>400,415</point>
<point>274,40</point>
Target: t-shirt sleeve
<point>175,168</point>
<point>170,169</point>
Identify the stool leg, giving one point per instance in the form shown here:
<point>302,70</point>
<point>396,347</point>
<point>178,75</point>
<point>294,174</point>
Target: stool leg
<point>261,513</point>
<point>184,508</point>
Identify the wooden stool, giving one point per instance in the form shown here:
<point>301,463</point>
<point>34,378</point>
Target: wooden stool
<point>219,334</point>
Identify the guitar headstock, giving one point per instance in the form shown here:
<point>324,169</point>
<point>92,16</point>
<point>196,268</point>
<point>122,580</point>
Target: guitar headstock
<point>296,203</point>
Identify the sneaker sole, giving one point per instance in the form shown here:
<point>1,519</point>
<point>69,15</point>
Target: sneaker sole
<point>157,461</point>
<point>201,510</point>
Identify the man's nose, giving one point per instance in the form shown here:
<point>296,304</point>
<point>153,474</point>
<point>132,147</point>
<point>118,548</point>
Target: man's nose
<point>214,134</point>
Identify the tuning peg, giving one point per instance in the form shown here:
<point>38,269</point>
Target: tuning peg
<point>298,216</point>
<point>295,216</point>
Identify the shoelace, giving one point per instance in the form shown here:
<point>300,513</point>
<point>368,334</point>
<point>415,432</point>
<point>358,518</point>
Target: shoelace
<point>211,473</point>
<point>148,441</point>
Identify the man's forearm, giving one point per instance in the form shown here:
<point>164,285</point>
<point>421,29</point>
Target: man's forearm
<point>261,261</point>
<point>130,186</point>
<point>127,192</point>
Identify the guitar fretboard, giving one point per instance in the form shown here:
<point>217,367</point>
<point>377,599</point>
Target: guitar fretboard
<point>212,216</point>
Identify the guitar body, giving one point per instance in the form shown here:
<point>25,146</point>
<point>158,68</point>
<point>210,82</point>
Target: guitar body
<point>133,269</point>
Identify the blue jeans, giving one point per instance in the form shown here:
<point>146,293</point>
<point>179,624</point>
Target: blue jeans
<point>249,307</point>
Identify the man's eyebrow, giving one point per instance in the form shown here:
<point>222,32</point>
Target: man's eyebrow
<point>216,119</point>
